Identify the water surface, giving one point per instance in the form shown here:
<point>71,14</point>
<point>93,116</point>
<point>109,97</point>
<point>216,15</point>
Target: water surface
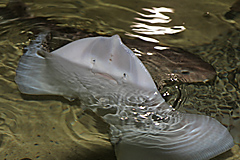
<point>49,127</point>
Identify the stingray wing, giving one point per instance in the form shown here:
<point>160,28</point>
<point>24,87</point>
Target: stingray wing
<point>33,76</point>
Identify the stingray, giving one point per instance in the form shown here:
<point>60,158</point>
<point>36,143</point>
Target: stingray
<point>107,75</point>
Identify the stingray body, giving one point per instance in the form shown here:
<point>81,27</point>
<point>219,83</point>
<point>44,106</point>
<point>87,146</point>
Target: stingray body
<point>105,73</point>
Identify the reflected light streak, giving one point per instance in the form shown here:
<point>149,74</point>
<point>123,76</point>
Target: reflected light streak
<point>156,30</point>
<point>157,16</point>
<point>144,29</point>
<point>137,52</point>
<point>161,47</point>
<point>149,53</point>
<point>154,20</point>
<point>148,39</point>
<point>158,10</point>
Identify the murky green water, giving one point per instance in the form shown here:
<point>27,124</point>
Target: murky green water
<point>38,127</point>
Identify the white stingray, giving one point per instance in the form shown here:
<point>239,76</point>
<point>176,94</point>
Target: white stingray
<point>104,70</point>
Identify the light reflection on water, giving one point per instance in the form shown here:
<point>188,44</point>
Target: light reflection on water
<point>156,17</point>
<point>31,125</point>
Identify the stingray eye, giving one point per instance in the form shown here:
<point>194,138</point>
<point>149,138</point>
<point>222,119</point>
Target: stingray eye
<point>124,75</point>
<point>94,60</point>
<point>185,72</point>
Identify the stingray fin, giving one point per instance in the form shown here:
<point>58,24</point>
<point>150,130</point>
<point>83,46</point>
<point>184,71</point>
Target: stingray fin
<point>32,76</point>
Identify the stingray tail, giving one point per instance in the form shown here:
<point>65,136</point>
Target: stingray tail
<point>31,74</point>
